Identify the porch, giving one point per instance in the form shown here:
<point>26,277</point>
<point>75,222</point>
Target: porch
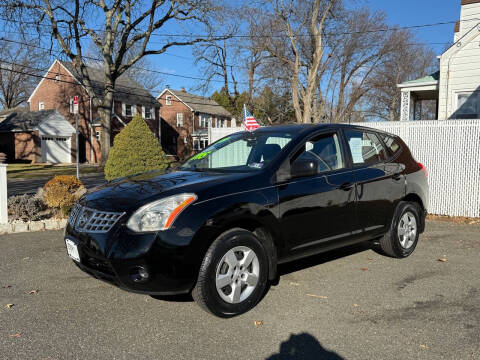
<point>420,98</point>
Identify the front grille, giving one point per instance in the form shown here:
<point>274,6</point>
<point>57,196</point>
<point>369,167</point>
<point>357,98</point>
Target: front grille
<point>85,219</point>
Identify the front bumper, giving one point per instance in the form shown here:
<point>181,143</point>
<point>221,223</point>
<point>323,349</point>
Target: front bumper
<point>116,256</point>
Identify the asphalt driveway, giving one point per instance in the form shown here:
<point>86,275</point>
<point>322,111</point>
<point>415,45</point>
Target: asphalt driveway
<point>348,304</point>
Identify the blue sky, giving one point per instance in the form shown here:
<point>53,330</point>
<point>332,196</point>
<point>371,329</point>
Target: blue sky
<point>399,12</point>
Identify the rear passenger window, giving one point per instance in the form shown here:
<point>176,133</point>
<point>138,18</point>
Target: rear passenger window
<point>391,143</point>
<point>365,147</point>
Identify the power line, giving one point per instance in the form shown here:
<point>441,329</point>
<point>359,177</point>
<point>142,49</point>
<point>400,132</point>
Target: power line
<point>207,36</point>
<point>93,86</point>
<point>132,67</point>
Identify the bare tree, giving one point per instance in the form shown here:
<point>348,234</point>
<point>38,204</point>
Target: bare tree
<point>297,24</point>
<point>16,63</point>
<point>127,23</point>
<point>407,61</point>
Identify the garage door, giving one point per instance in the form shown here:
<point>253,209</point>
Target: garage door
<point>56,149</point>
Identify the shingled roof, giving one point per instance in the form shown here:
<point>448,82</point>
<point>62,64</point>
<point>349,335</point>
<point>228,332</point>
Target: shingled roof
<point>200,104</point>
<point>23,121</point>
<point>126,89</point>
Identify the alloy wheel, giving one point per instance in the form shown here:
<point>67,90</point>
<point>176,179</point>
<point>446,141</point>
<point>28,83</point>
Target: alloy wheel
<point>407,230</point>
<point>237,274</point>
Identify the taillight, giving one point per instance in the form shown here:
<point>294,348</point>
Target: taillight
<point>423,168</point>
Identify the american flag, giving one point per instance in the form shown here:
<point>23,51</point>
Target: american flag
<point>249,120</point>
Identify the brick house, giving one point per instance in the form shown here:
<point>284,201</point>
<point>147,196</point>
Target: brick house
<point>186,118</point>
<point>35,136</point>
<point>61,83</point>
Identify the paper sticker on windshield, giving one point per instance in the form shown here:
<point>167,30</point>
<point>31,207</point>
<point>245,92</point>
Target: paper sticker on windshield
<point>256,165</point>
<point>356,149</point>
<point>201,155</point>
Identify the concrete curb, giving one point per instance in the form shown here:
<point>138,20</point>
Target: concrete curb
<point>31,226</point>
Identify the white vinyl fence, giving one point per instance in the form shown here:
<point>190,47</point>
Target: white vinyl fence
<point>450,150</point>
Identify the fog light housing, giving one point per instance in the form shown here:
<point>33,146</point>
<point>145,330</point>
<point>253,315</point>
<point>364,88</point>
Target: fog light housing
<point>139,274</point>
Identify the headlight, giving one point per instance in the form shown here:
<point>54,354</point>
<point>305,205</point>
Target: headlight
<point>160,214</point>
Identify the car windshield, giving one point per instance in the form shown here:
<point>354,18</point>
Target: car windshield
<point>246,151</point>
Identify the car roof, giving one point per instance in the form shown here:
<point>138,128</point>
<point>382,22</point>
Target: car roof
<point>308,128</point>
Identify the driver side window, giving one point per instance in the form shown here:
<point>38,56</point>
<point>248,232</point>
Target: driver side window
<point>324,150</point>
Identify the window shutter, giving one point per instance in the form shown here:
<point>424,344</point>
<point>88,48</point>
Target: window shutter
<point>134,110</point>
<point>154,109</point>
<point>143,111</point>
<point>123,109</point>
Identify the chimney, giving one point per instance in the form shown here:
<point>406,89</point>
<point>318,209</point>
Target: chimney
<point>167,86</point>
<point>182,89</point>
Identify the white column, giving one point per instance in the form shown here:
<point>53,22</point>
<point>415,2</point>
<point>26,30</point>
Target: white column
<point>3,194</point>
<point>405,106</point>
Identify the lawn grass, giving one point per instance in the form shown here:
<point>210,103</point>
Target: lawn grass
<point>33,171</point>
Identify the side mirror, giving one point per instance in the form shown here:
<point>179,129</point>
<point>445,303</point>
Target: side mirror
<point>301,168</point>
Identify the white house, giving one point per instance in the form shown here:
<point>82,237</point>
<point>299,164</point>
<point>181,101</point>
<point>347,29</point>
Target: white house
<point>456,86</point>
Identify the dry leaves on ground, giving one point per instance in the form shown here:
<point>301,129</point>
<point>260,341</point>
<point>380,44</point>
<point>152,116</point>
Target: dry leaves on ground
<point>356,305</point>
<point>443,259</point>
<point>9,306</point>
<point>16,335</point>
<point>364,269</point>
<point>294,283</point>
<point>423,346</point>
<point>318,296</point>
<point>258,323</point>
<point>33,292</point>
<point>6,286</point>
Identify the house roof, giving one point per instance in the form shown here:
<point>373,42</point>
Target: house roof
<point>25,121</point>
<point>431,79</point>
<point>199,103</point>
<point>126,89</point>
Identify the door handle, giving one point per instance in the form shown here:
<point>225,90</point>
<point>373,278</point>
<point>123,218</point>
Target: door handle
<point>346,186</point>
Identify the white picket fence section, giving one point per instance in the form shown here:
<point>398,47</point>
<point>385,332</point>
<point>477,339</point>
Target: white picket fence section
<point>450,150</point>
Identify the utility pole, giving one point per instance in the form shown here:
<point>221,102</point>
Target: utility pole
<point>75,111</point>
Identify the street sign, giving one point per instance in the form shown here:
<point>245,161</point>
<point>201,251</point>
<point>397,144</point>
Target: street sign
<point>75,104</point>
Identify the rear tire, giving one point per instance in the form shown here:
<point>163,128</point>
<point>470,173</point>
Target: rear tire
<point>402,237</point>
<point>233,275</point>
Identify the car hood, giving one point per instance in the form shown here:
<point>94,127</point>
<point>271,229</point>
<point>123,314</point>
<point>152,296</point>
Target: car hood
<point>128,194</point>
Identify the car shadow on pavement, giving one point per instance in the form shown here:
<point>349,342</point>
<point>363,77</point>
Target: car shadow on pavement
<point>310,261</point>
<point>303,346</point>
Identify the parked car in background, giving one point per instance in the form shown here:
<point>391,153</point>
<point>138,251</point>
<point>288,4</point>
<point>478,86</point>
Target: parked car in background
<point>218,225</point>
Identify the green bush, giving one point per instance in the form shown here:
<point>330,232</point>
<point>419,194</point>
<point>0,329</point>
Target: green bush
<point>135,150</point>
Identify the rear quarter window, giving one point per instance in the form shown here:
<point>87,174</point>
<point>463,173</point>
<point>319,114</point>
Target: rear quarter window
<point>391,143</point>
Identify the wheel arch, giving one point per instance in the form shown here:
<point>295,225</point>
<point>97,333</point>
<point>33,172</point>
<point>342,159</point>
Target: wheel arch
<point>415,198</point>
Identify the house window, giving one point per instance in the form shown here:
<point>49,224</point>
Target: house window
<point>179,119</point>
<point>196,144</point>
<point>41,106</point>
<point>57,78</point>
<point>468,105</point>
<point>128,110</point>
<point>203,120</point>
<point>148,112</point>
<point>221,122</point>
<point>203,143</point>
<point>97,135</point>
<point>168,100</point>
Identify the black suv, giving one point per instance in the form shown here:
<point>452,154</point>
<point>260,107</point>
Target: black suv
<point>218,225</point>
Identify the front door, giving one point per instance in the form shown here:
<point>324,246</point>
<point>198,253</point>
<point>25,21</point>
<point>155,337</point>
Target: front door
<point>318,211</point>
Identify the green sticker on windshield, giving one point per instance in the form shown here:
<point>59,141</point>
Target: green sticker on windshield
<point>223,140</point>
<point>201,155</point>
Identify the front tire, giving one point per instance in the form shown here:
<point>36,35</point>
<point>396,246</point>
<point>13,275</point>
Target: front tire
<point>233,275</point>
<point>402,237</point>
